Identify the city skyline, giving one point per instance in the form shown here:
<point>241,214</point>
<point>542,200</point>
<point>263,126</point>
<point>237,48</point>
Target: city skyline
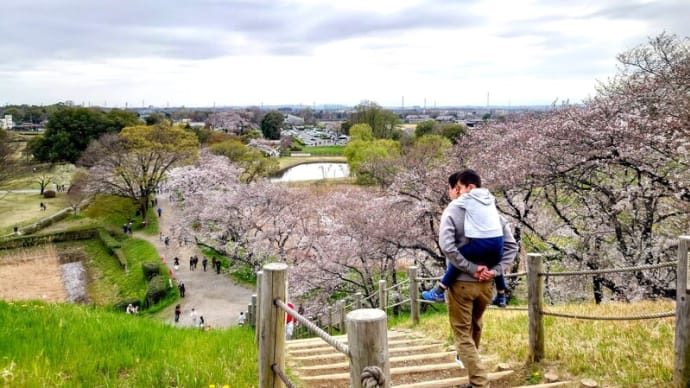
<point>315,52</point>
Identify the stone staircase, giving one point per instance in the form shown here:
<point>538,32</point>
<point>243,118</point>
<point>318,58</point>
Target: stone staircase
<point>415,361</point>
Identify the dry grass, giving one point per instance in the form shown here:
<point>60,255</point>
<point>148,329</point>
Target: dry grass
<point>615,353</point>
<point>31,274</point>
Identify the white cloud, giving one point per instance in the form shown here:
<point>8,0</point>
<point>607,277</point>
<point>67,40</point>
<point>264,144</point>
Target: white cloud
<point>234,52</point>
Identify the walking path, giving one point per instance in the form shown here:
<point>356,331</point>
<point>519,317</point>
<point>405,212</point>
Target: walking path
<point>215,297</point>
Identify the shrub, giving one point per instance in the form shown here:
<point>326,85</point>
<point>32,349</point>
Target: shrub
<point>157,290</point>
<point>151,270</point>
<point>49,194</point>
<point>108,241</point>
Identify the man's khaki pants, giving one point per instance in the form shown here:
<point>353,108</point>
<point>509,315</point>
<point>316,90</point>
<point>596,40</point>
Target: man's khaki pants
<point>466,304</point>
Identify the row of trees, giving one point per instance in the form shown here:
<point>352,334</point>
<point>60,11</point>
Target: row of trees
<point>595,185</point>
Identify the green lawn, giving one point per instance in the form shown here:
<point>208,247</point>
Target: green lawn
<point>23,209</point>
<point>63,345</point>
<point>324,150</point>
<point>290,161</point>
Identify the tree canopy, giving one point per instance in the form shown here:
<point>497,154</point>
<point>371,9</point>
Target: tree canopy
<point>271,125</point>
<point>253,163</point>
<point>451,131</point>
<point>70,130</point>
<point>134,162</point>
<point>382,122</point>
<point>7,159</point>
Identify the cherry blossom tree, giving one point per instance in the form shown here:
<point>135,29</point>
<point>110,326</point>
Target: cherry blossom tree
<point>603,183</point>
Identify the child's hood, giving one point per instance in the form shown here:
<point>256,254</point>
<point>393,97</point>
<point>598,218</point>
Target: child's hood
<point>480,194</point>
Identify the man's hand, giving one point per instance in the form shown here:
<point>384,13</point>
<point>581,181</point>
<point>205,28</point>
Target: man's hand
<point>487,275</point>
<point>481,269</point>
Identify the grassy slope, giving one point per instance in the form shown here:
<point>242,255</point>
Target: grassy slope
<point>614,353</point>
<point>71,345</point>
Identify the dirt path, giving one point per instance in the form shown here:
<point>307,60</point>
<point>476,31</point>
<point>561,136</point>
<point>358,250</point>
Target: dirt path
<point>217,297</point>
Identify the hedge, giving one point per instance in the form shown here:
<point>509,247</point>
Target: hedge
<point>24,241</point>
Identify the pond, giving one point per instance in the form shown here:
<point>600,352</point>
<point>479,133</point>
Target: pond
<point>313,171</point>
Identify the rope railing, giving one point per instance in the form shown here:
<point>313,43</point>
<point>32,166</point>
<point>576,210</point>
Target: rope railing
<point>276,369</point>
<point>611,318</point>
<point>429,279</point>
<point>339,346</point>
<point>400,284</point>
<point>399,303</point>
<point>610,270</point>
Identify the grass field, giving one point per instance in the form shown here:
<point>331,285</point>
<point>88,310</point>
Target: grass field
<point>324,150</point>
<point>61,345</point>
<point>290,161</point>
<point>22,209</point>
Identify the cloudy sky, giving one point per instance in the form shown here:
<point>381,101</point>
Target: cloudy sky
<point>252,52</point>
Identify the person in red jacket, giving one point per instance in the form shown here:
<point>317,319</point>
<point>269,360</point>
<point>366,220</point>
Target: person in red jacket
<point>289,322</point>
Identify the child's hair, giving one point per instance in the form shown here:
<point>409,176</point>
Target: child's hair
<point>466,177</point>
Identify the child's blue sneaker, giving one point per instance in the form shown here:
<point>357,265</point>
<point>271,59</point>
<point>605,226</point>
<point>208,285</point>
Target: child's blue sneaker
<point>434,295</point>
<point>499,300</point>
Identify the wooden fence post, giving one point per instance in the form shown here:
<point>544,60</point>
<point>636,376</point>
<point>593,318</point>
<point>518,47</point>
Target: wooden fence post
<point>681,370</point>
<point>414,290</point>
<point>341,317</point>
<point>367,339</point>
<point>257,316</point>
<point>358,301</point>
<point>330,320</point>
<point>382,294</point>
<point>250,315</point>
<point>253,312</point>
<point>272,324</point>
<point>535,300</point>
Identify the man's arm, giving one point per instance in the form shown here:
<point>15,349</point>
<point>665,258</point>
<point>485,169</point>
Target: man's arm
<point>510,249</point>
<point>453,218</point>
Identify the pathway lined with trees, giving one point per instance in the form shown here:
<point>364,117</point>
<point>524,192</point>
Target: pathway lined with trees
<point>217,297</point>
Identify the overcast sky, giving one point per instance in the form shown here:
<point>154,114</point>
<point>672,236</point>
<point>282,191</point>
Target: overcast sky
<point>252,52</point>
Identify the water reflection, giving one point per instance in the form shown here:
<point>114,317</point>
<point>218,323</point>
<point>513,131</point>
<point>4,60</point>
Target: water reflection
<point>314,171</point>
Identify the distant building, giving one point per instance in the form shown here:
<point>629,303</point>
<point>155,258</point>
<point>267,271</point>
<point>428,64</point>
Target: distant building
<point>6,122</point>
<point>293,120</point>
<point>445,118</point>
<point>413,119</point>
<point>29,127</point>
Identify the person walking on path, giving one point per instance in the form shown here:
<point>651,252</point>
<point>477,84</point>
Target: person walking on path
<point>182,289</point>
<point>204,263</point>
<point>178,312</point>
<point>160,211</point>
<point>470,294</point>
<point>193,315</point>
